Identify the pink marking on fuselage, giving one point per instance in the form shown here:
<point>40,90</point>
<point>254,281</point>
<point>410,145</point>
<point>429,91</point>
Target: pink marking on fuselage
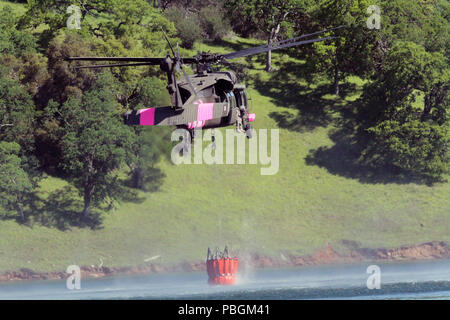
<point>205,111</point>
<point>251,117</point>
<point>147,117</point>
<point>196,124</point>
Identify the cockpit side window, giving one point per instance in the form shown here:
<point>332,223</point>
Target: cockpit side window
<point>185,94</point>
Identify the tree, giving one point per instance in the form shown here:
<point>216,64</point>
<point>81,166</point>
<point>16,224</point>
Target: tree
<point>418,148</point>
<point>17,114</point>
<point>136,19</point>
<point>354,47</point>
<point>396,127</point>
<point>95,142</point>
<point>213,22</point>
<point>13,41</point>
<point>15,184</point>
<point>54,12</point>
<point>63,82</point>
<point>186,24</point>
<point>424,22</point>
<point>19,53</point>
<point>151,143</point>
<point>268,15</point>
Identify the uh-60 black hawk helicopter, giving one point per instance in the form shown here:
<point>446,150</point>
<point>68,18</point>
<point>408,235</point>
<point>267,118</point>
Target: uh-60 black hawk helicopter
<point>206,99</point>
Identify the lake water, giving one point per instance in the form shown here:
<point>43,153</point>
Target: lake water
<point>406,280</point>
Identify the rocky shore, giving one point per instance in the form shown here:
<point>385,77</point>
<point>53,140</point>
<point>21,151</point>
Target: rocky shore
<point>327,255</point>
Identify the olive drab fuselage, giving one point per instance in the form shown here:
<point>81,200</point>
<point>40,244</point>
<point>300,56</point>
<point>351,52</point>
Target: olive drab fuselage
<point>209,100</point>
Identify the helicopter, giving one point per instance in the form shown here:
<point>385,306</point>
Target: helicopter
<point>208,99</point>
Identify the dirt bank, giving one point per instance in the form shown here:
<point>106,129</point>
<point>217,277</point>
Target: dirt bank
<point>327,255</point>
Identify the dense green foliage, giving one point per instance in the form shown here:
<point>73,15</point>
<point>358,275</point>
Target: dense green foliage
<point>15,184</point>
<point>214,24</point>
<point>13,41</point>
<point>201,20</point>
<point>187,26</point>
<point>94,142</point>
<point>399,133</point>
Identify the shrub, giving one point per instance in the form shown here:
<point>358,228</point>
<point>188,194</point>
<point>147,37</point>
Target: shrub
<point>187,25</point>
<point>213,22</point>
<point>419,148</point>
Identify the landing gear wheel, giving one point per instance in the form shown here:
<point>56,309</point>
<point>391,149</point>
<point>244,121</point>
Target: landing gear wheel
<point>249,131</point>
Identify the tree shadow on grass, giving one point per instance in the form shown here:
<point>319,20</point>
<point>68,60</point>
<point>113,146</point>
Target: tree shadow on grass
<point>344,159</point>
<point>152,182</point>
<point>62,210</point>
<point>313,106</point>
<point>30,207</point>
<point>233,46</point>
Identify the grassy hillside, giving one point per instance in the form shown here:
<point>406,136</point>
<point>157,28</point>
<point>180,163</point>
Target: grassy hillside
<point>308,204</point>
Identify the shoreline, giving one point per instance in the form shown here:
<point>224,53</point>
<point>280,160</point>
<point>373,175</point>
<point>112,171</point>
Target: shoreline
<point>327,256</point>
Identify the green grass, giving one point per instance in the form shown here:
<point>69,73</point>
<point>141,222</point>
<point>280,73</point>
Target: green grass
<point>299,210</point>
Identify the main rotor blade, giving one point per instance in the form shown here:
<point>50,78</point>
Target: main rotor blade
<point>170,45</point>
<point>281,42</point>
<point>180,66</point>
<point>277,44</point>
<point>252,51</point>
<point>114,65</point>
<point>153,61</point>
<point>178,63</point>
<point>305,36</point>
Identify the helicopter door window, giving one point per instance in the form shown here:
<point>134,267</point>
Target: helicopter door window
<point>232,99</point>
<point>206,93</point>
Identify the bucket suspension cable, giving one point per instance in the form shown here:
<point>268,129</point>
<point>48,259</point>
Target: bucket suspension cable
<point>208,255</point>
